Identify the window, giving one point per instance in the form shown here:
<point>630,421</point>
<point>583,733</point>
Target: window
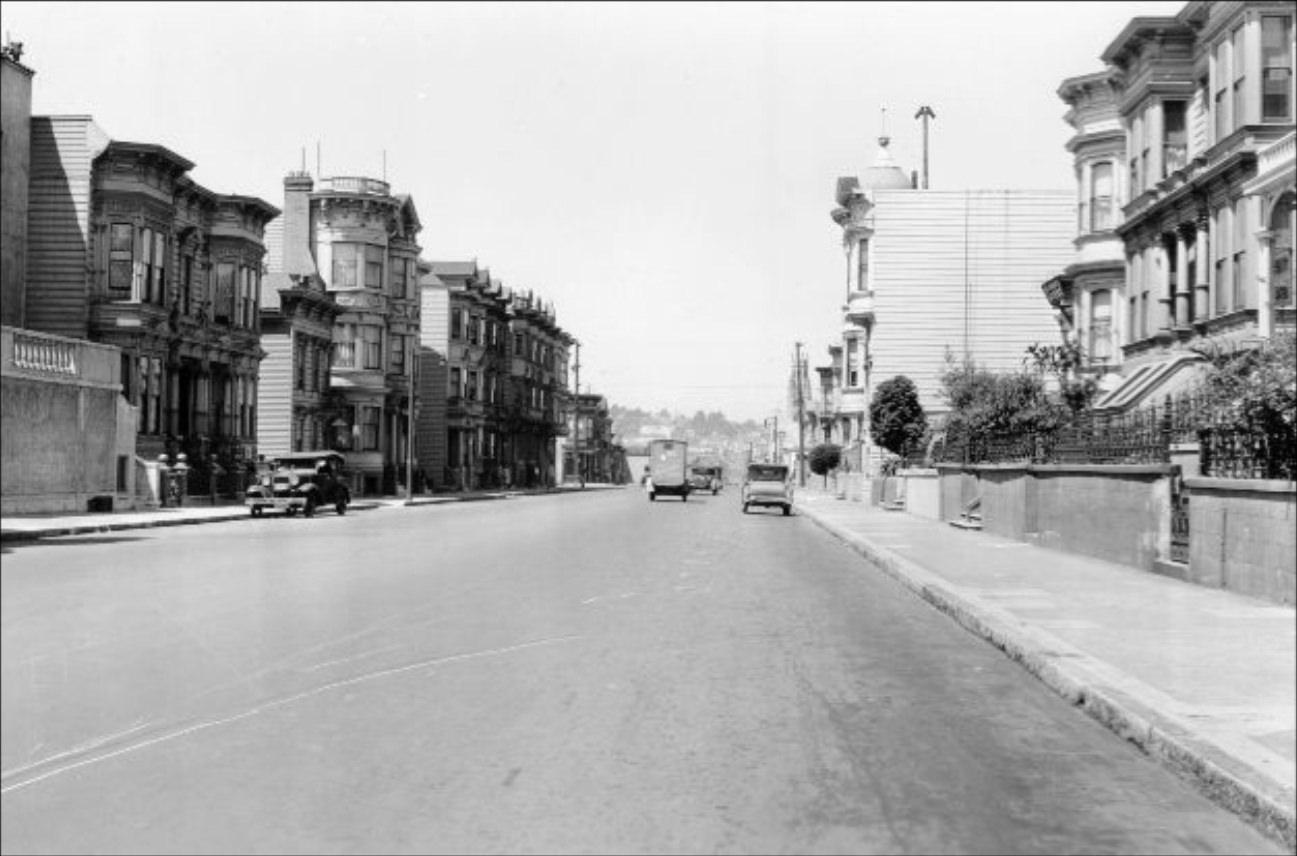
<point>299,364</point>
<point>517,344</point>
<point>1281,252</point>
<point>853,372</point>
<point>1220,102</point>
<point>223,300</point>
<point>1238,268</point>
<point>344,347</point>
<point>471,392</point>
<point>400,277</point>
<point>474,330</point>
<point>374,267</point>
<point>1101,197</point>
<point>121,257</point>
<point>1221,224</point>
<point>369,419</point>
<point>456,324</point>
<point>344,265</point>
<point>1100,326</point>
<point>155,255</point>
<point>456,382</point>
<point>862,267</point>
<point>1238,109</point>
<point>373,352</point>
<point>186,284</point>
<point>1276,68</point>
<point>398,353</point>
<point>322,368</point>
<point>1175,137</point>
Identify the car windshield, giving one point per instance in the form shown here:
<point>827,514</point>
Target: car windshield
<point>767,472</point>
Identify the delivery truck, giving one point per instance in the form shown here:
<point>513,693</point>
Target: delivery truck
<point>668,472</point>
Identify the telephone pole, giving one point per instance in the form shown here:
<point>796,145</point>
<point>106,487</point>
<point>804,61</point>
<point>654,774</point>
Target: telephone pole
<point>801,420</point>
<point>576,416</point>
<point>925,113</point>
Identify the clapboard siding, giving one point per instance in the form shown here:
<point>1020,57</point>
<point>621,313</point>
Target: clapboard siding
<point>275,396</point>
<point>434,339</point>
<point>63,149</point>
<point>962,270</point>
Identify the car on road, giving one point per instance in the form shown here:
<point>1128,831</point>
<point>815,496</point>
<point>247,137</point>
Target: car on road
<point>767,486</point>
<point>300,481</point>
<point>705,478</point>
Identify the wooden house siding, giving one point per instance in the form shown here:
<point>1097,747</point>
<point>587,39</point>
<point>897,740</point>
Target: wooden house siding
<point>58,265</point>
<point>275,396</point>
<point>430,446</point>
<point>961,271</point>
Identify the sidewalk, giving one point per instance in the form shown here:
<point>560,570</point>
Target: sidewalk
<point>1202,679</point>
<point>29,527</point>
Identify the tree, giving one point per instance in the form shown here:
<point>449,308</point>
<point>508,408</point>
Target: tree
<point>1065,362</point>
<point>823,458</point>
<point>896,417</point>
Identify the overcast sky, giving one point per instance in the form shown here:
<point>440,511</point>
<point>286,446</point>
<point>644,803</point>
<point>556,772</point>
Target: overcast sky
<point>662,172</point>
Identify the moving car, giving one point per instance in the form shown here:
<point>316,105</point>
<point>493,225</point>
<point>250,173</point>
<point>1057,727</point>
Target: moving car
<point>667,469</point>
<point>300,481</point>
<point>705,478</point>
<point>767,485</point>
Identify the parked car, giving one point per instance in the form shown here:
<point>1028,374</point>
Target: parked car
<point>300,481</point>
<point>767,485</point>
<point>705,478</point>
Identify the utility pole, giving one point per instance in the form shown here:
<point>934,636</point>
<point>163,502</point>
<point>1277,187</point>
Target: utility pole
<point>801,420</point>
<point>409,432</point>
<point>576,417</point>
<point>925,113</point>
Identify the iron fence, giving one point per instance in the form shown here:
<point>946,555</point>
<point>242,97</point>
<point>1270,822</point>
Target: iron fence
<point>1143,436</point>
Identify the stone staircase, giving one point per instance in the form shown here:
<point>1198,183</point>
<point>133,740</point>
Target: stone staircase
<point>971,515</point>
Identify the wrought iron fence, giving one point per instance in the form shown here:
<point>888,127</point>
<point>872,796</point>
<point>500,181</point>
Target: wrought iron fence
<point>1143,436</point>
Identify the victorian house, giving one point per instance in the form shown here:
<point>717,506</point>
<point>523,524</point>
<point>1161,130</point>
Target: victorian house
<point>1204,101</point>
<point>537,401</point>
<point>477,373</point>
<point>125,249</point>
<point>351,243</point>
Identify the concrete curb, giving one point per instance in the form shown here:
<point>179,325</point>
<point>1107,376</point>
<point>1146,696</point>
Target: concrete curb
<point>57,530</point>
<point>1078,678</point>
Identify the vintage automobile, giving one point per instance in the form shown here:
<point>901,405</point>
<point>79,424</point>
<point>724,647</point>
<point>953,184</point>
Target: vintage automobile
<point>300,481</point>
<point>703,477</point>
<point>767,485</point>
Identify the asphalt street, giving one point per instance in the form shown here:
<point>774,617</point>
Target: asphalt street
<point>589,673</point>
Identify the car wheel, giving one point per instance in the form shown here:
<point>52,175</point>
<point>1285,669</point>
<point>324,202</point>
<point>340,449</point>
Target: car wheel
<point>653,497</point>
<point>309,511</point>
<point>291,511</point>
<point>788,509</point>
<point>341,507</point>
<point>745,508</point>
<point>256,510</point>
<point>684,497</point>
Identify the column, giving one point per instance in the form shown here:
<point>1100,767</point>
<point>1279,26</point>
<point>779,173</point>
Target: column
<point>1182,296</point>
<point>1265,292</point>
<point>1202,276</point>
<point>1155,138</point>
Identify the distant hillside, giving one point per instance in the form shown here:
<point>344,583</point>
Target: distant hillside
<point>707,433</point>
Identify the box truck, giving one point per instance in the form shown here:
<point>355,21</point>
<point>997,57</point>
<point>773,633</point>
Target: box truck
<point>668,469</point>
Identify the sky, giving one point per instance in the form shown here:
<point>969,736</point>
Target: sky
<point>662,172</point>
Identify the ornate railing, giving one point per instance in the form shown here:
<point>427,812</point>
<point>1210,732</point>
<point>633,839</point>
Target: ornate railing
<point>45,354</point>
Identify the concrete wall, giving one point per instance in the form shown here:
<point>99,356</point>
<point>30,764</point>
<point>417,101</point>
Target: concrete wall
<point>922,493</point>
<point>1243,536</point>
<point>59,403</point>
<point>1117,513</point>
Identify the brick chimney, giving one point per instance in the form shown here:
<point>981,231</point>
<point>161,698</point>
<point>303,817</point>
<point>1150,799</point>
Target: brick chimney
<point>298,259</point>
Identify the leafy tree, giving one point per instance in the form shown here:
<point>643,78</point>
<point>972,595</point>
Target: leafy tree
<point>1064,362</point>
<point>1254,388</point>
<point>985,402</point>
<point>896,417</point>
<point>824,458</point>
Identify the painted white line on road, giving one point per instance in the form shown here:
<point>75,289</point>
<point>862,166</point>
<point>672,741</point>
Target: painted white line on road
<point>202,726</point>
<point>589,600</point>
